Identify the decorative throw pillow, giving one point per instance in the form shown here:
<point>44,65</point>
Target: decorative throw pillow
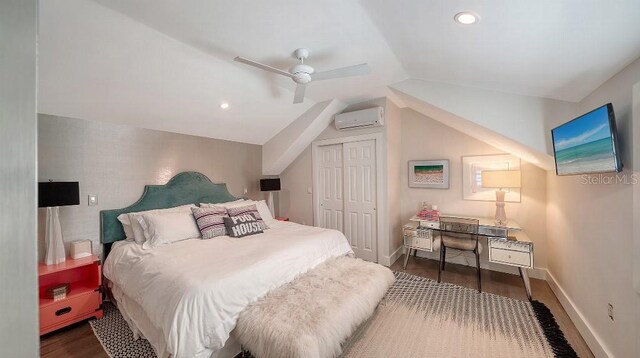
<point>210,221</point>
<point>247,209</point>
<point>242,225</point>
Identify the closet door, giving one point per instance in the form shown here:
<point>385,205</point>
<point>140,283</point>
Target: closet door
<point>330,180</point>
<point>360,224</point>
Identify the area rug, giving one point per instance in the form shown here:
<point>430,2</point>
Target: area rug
<point>116,337</point>
<point>420,317</point>
<point>417,318</point>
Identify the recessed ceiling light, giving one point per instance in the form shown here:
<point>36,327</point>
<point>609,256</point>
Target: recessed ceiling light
<point>466,18</point>
<point>224,105</point>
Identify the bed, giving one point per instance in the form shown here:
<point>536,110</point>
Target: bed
<point>185,298</point>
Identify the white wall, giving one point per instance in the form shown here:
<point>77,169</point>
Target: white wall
<point>636,188</point>
<point>590,229</point>
<point>394,177</point>
<point>424,138</point>
<point>286,146</point>
<point>18,279</point>
<point>115,162</point>
<point>518,117</point>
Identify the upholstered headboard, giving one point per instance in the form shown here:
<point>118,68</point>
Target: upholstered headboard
<point>184,188</point>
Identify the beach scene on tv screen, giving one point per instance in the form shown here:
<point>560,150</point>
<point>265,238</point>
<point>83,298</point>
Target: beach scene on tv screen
<point>585,145</point>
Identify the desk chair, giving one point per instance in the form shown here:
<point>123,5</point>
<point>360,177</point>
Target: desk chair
<point>459,234</point>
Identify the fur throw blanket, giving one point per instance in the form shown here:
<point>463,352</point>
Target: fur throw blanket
<point>312,316</point>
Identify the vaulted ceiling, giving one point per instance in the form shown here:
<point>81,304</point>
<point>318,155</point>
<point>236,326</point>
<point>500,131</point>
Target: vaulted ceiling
<point>168,65</point>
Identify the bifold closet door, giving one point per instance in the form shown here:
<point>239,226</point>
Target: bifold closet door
<point>360,187</point>
<point>330,179</point>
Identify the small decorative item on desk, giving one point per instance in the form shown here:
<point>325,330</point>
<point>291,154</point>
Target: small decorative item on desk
<point>429,213</point>
<point>280,218</point>
<point>57,292</point>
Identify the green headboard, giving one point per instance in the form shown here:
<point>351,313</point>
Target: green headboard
<point>184,188</point>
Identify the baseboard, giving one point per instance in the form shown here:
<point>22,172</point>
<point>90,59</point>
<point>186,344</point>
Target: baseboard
<point>538,273</point>
<point>591,338</point>
<point>389,260</point>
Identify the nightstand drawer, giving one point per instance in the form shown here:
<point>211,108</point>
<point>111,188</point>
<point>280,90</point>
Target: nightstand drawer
<point>69,309</point>
<point>510,257</point>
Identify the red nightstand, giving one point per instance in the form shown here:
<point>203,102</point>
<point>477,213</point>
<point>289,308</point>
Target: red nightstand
<point>84,299</point>
<point>280,218</point>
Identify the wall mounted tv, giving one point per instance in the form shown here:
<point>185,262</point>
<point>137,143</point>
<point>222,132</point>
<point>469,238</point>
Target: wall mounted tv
<point>588,144</point>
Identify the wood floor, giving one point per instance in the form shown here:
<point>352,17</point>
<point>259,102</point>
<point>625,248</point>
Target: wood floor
<point>79,341</point>
<point>502,284</point>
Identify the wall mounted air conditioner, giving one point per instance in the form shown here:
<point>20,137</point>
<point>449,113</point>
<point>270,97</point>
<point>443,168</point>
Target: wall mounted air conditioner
<point>370,117</point>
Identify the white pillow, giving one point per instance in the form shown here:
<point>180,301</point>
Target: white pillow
<point>235,204</point>
<point>126,225</point>
<point>162,228</point>
<point>136,229</point>
<point>210,205</point>
<point>264,212</point>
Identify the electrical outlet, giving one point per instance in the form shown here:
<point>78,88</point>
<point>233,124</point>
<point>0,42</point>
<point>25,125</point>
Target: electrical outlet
<point>245,190</point>
<point>610,311</point>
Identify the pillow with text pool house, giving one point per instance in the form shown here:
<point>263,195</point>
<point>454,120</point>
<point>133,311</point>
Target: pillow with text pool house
<point>242,225</point>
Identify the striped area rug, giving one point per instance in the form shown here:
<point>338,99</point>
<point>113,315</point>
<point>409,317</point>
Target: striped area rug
<point>422,318</point>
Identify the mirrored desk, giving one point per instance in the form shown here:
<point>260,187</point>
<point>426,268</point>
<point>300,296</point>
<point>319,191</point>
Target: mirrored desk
<point>507,245</point>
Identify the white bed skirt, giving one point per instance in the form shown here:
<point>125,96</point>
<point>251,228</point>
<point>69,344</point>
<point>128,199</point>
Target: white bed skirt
<point>142,328</point>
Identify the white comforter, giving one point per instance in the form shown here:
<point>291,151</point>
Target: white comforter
<point>194,290</point>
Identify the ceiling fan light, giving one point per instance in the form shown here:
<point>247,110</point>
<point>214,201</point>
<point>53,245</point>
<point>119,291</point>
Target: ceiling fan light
<point>301,77</point>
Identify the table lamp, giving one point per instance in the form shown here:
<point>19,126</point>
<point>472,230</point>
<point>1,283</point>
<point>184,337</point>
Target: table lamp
<point>270,185</point>
<point>501,179</point>
<point>52,195</point>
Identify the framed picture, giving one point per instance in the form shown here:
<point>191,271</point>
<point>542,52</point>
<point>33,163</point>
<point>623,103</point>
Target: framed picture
<point>472,167</point>
<point>431,174</point>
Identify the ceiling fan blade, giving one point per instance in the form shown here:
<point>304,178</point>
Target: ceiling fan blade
<point>299,96</point>
<point>262,66</point>
<point>355,70</point>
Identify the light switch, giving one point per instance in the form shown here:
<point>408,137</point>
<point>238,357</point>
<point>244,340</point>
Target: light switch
<point>93,200</point>
<point>309,190</point>
<point>245,190</point>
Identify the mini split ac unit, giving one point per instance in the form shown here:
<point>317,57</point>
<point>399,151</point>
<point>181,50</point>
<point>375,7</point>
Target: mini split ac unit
<point>370,117</point>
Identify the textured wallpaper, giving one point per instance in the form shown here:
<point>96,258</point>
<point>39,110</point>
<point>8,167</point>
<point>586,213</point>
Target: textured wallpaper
<point>115,162</point>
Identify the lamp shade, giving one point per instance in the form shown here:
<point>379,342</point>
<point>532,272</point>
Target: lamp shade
<point>270,184</point>
<point>52,194</point>
<point>501,179</point>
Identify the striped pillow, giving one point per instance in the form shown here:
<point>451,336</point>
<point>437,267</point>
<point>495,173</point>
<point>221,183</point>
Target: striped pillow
<point>210,221</point>
<point>248,209</point>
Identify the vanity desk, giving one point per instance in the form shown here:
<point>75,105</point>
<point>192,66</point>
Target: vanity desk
<point>507,245</point>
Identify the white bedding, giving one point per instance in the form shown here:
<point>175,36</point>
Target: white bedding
<point>194,290</point>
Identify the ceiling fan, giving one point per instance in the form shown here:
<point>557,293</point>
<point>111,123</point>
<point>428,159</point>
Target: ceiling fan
<point>302,74</point>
